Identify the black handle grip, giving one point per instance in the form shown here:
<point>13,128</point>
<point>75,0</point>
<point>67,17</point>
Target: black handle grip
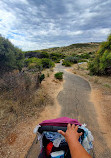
<point>55,129</point>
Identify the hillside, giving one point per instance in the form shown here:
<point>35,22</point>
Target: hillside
<point>73,49</point>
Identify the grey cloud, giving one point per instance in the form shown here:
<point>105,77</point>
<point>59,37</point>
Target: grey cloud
<point>52,21</point>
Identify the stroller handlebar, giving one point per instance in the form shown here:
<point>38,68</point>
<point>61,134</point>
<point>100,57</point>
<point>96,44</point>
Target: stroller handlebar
<point>55,129</point>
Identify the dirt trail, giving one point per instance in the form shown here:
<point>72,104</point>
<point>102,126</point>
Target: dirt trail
<point>102,105</point>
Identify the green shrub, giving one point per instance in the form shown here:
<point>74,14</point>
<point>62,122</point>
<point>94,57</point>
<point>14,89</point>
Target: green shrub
<point>66,63</point>
<point>57,61</point>
<point>34,63</point>
<point>82,60</point>
<point>41,77</point>
<point>85,56</point>
<point>101,64</point>
<point>37,54</point>
<point>69,60</point>
<point>10,56</point>
<point>44,55</point>
<point>59,75</point>
<point>47,63</point>
<point>72,59</point>
<point>56,57</point>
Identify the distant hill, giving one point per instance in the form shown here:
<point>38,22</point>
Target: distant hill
<point>72,49</point>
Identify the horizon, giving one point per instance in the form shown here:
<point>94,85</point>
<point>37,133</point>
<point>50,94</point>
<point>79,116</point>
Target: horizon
<point>38,25</point>
<point>64,46</point>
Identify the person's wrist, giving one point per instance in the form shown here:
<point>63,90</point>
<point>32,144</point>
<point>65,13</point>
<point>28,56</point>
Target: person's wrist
<point>70,140</point>
<point>73,143</point>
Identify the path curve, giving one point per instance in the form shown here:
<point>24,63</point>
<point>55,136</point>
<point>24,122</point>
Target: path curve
<point>75,102</point>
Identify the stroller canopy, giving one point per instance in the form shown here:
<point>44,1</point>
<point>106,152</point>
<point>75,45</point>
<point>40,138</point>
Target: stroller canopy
<point>63,121</point>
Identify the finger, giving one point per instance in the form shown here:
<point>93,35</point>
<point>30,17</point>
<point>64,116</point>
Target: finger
<point>61,132</point>
<point>68,126</point>
<point>76,128</point>
<point>73,126</point>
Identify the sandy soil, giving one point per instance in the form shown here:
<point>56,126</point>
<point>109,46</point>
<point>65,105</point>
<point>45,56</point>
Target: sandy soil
<point>101,98</point>
<point>102,104</point>
<point>21,137</point>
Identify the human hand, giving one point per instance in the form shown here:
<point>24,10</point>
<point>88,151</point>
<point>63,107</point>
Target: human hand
<point>71,134</point>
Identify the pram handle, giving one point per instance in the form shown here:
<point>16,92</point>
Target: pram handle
<point>55,129</point>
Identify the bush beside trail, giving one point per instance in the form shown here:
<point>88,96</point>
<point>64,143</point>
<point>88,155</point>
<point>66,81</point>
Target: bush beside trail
<point>66,63</point>
<point>38,64</point>
<point>69,60</point>
<point>55,57</point>
<point>59,75</point>
<point>101,64</point>
<point>10,56</point>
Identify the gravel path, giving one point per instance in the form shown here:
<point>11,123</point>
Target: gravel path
<point>75,102</point>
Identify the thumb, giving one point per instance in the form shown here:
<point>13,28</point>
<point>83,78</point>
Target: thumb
<point>80,134</point>
<point>61,132</point>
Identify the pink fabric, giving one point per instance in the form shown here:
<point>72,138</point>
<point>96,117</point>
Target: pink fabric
<point>62,121</point>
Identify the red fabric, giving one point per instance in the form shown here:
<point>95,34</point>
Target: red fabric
<point>49,148</point>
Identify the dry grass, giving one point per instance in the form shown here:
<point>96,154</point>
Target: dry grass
<point>75,48</point>
<point>19,136</point>
<point>104,81</point>
<point>20,97</point>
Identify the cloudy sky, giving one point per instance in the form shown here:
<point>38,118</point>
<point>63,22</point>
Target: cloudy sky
<point>39,24</point>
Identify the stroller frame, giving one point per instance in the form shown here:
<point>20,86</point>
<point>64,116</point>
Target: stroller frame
<point>55,129</point>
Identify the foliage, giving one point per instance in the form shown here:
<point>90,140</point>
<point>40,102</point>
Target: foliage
<point>74,49</point>
<point>69,60</point>
<point>47,63</point>
<point>41,77</point>
<point>66,63</point>
<point>37,54</point>
<point>84,56</point>
<point>101,64</point>
<point>39,64</point>
<point>57,61</point>
<point>72,59</point>
<point>34,63</point>
<point>56,57</point>
<point>82,60</point>
<point>10,57</point>
<point>59,75</point>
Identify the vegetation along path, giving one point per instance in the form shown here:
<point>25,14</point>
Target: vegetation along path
<point>75,102</point>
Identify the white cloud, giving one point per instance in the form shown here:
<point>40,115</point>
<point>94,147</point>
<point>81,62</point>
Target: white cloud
<point>8,19</point>
<point>73,33</point>
<point>102,32</point>
<point>36,25</point>
<point>20,1</point>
